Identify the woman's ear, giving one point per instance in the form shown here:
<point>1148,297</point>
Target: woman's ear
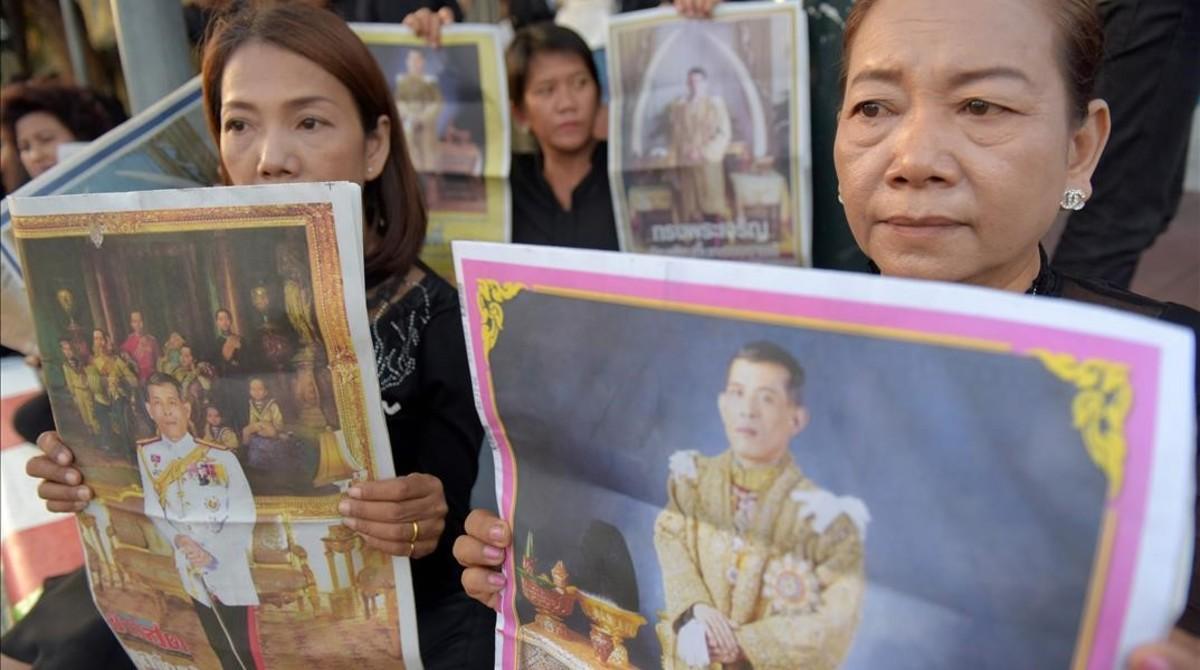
<point>1087,145</point>
<point>378,146</point>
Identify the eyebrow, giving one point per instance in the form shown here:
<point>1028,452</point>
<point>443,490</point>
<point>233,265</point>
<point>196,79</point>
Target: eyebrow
<point>294,103</point>
<point>998,72</point>
<point>958,79</point>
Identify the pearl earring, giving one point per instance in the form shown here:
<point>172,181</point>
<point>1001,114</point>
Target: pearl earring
<point>840,201</point>
<point>1073,199</point>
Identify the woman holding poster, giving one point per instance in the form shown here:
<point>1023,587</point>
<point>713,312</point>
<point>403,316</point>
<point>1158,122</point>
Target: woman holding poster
<point>292,95</point>
<point>953,162</point>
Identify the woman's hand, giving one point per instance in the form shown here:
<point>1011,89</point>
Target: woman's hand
<point>62,488</point>
<point>403,516</point>
<point>1180,651</point>
<point>427,24</point>
<point>696,9</point>
<point>481,552</point>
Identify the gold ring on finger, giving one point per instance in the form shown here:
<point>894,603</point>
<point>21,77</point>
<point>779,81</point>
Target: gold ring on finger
<point>416,531</point>
<point>412,547</point>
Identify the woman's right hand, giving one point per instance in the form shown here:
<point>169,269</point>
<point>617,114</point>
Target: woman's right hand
<point>481,552</point>
<point>62,488</point>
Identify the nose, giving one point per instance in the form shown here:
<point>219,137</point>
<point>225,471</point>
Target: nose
<point>565,100</point>
<point>922,154</point>
<point>41,153</point>
<point>277,161</point>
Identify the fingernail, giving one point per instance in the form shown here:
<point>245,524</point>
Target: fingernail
<point>344,507</point>
<point>72,477</point>
<point>349,522</point>
<point>496,579</point>
<point>354,492</point>
<point>497,533</point>
<point>84,493</point>
<point>492,553</point>
<point>61,457</point>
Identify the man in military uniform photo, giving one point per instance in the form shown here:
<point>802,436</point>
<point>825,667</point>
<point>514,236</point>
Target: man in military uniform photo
<point>199,499</point>
<point>761,568</point>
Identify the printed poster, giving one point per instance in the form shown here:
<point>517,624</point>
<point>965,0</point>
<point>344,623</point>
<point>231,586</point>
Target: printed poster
<point>709,146</point>
<point>207,358</point>
<point>708,463</point>
<point>453,103</point>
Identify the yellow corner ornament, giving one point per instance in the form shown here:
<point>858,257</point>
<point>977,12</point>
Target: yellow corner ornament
<point>491,296</point>
<point>1099,410</point>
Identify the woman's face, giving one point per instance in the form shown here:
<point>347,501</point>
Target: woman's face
<point>560,103</point>
<point>955,144</point>
<point>38,136</point>
<point>286,119</point>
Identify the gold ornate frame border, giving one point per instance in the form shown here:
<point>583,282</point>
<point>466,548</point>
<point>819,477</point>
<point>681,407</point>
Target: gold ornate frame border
<point>1103,399</point>
<point>328,297</point>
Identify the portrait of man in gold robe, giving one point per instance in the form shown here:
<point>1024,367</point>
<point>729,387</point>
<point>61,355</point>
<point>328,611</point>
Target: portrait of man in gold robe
<point>761,567</point>
<point>700,136</point>
<point>419,102</point>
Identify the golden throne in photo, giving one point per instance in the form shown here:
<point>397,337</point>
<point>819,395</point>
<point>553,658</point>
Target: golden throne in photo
<point>144,561</point>
<point>279,566</point>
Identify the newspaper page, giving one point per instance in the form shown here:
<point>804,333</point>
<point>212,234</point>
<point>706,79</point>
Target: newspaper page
<point>710,464</point>
<point>453,104</point>
<point>709,145</point>
<point>207,358</point>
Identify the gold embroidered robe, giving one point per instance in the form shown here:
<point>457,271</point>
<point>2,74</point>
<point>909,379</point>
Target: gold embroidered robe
<point>700,127</point>
<point>793,585</point>
<point>419,102</point>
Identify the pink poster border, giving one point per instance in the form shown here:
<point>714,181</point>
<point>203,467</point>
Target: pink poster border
<point>1126,512</point>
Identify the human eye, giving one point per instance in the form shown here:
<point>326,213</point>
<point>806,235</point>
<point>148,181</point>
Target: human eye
<point>981,107</point>
<point>234,125</point>
<point>871,109</point>
<point>311,123</point>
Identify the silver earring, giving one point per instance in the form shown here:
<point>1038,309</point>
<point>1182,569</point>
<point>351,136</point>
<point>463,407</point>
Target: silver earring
<point>1073,200</point>
<point>840,201</point>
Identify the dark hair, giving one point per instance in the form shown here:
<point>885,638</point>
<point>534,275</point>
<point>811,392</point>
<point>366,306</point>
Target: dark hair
<point>392,203</point>
<point>769,352</point>
<point>697,70</point>
<point>164,379</point>
<point>541,38</point>
<point>84,112</point>
<point>224,311</point>
<point>101,331</point>
<point>1080,37</point>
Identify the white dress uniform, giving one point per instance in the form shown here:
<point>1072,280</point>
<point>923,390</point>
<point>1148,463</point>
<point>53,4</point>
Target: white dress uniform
<point>197,488</point>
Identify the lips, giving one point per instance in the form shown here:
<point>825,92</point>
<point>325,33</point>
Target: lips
<point>923,226</point>
<point>748,432</point>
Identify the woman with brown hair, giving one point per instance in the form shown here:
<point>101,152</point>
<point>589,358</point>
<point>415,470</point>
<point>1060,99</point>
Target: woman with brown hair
<point>39,116</point>
<point>293,95</point>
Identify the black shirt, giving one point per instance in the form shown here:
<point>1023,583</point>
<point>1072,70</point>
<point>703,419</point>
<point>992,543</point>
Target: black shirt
<point>429,405</point>
<point>538,218</point>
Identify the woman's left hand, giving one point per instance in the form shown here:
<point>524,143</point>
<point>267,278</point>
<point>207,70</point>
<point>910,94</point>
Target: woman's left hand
<point>428,24</point>
<point>403,516</point>
<point>1180,651</point>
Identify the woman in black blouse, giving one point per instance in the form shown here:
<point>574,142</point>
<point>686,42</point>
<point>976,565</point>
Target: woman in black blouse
<point>292,95</point>
<point>560,194</point>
